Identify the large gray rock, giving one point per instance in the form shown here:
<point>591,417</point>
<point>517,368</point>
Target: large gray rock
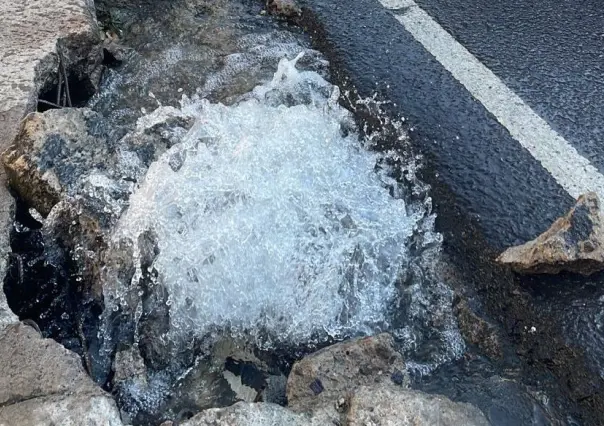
<point>42,383</point>
<point>250,414</point>
<point>364,382</point>
<point>331,373</point>
<point>51,153</point>
<point>30,32</point>
<point>77,152</point>
<point>64,410</point>
<point>6,214</point>
<point>574,243</point>
<point>387,405</point>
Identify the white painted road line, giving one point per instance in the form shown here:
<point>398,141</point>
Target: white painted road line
<point>569,168</point>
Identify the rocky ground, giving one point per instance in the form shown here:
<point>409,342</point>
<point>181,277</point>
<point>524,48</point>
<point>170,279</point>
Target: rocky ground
<point>56,53</point>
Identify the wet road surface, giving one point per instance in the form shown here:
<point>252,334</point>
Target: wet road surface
<point>497,181</point>
<point>550,53</point>
<point>494,186</point>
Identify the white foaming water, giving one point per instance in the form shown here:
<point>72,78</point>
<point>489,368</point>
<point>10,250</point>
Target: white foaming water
<point>270,222</point>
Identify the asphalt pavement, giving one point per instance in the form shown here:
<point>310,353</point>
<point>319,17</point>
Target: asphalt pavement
<point>505,99</point>
<point>547,57</point>
<point>550,53</point>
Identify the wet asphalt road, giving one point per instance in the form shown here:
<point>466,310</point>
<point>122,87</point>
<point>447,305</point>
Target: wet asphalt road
<point>489,191</point>
<point>550,55</point>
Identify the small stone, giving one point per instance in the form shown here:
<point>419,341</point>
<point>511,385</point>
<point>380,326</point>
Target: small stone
<point>128,364</point>
<point>398,377</point>
<point>284,8</point>
<point>574,243</point>
<point>316,386</point>
<point>342,367</point>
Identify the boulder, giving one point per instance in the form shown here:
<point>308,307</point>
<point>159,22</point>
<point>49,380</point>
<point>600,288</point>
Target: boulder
<point>71,410</point>
<point>30,41</point>
<point>388,405</point>
<point>73,152</point>
<point>331,373</point>
<point>574,243</point>
<point>253,414</point>
<point>51,155</point>
<point>364,382</point>
<point>42,383</point>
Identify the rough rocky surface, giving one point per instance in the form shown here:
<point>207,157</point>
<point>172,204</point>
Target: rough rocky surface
<point>363,382</point>
<point>51,153</point>
<point>330,373</point>
<point>574,243</point>
<point>30,33</point>
<point>72,410</point>
<point>376,405</point>
<point>42,383</point>
<point>71,152</point>
<point>251,414</point>
<point>7,208</point>
<point>128,364</point>
<point>387,405</point>
<point>7,316</point>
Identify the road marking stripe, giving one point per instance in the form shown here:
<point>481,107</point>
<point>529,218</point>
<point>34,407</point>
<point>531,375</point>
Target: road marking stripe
<point>569,168</point>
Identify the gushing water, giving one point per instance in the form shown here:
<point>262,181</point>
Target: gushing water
<point>271,218</point>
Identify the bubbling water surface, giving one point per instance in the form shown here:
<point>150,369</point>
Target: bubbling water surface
<point>271,218</point>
